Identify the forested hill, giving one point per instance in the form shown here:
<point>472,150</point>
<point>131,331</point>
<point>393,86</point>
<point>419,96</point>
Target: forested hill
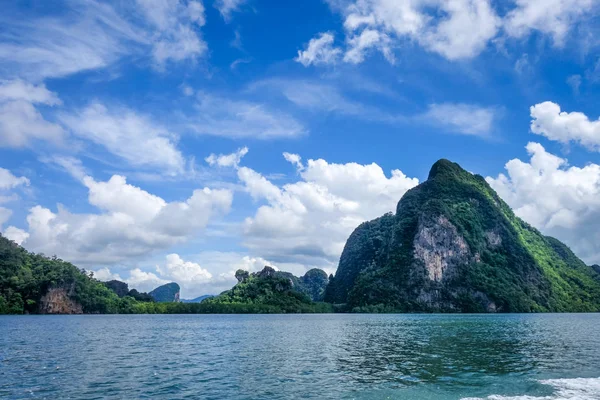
<point>32,283</point>
<point>454,245</point>
<point>35,284</point>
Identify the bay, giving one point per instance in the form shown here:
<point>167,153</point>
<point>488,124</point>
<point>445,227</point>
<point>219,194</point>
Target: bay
<point>325,356</point>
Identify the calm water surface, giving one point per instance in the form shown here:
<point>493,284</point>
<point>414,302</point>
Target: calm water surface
<point>300,357</point>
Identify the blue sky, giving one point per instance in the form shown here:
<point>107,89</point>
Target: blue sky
<point>160,140</point>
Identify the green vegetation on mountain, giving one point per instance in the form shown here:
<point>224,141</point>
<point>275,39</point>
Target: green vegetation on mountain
<point>452,246</point>
<point>166,293</point>
<point>268,291</point>
<point>32,283</point>
<point>455,246</point>
<point>122,290</point>
<point>26,279</point>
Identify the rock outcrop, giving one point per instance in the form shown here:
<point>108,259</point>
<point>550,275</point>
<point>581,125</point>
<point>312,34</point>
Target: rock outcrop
<point>57,300</point>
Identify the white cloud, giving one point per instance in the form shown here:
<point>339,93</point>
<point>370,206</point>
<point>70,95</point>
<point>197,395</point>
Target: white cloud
<point>90,35</point>
<point>359,44</point>
<point>552,17</point>
<point>71,165</point>
<point>15,234</point>
<point>241,119</point>
<point>144,281</point>
<point>20,90</point>
<point>308,222</point>
<point>134,137</point>
<point>562,201</point>
<point>9,181</point>
<point>228,7</point>
<point>454,29</point>
<point>227,160</point>
<point>183,271</point>
<point>549,121</point>
<point>20,121</point>
<point>5,215</point>
<point>104,274</point>
<point>319,50</point>
<point>465,119</point>
<point>211,272</point>
<point>132,223</point>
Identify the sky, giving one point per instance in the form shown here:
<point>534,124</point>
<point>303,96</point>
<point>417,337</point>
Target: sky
<point>179,140</point>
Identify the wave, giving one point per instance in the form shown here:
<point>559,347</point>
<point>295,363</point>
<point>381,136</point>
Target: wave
<point>564,389</point>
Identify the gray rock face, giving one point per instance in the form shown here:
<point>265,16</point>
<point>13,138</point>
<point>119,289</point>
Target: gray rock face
<point>58,301</point>
<point>440,248</point>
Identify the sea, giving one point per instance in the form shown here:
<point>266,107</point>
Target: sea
<point>324,356</point>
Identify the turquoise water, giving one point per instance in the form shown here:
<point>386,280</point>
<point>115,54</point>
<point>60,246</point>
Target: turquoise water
<point>300,357</point>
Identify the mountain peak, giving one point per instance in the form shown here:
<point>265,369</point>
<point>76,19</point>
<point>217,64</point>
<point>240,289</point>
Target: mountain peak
<point>443,167</point>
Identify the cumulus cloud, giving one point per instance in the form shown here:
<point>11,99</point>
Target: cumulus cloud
<point>548,120</point>
<point>561,200</point>
<point>134,137</point>
<point>456,29</point>
<point>319,50</point>
<point>20,119</point>
<point>552,17</point>
<point>15,234</point>
<point>308,222</point>
<point>132,223</point>
<point>210,272</point>
<point>466,119</point>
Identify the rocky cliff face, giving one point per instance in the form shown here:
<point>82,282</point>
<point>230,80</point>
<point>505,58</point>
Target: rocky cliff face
<point>454,245</point>
<point>58,301</point>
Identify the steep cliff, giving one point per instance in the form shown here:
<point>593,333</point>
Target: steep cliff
<point>455,246</point>
<point>59,300</point>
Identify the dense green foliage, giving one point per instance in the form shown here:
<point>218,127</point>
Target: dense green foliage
<point>518,270</point>
<point>122,289</point>
<point>25,277</point>
<point>268,291</point>
<point>166,293</point>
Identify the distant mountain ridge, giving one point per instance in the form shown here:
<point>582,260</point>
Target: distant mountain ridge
<point>454,245</point>
<point>197,299</point>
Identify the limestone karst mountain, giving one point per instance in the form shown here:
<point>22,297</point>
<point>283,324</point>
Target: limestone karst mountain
<point>454,245</point>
